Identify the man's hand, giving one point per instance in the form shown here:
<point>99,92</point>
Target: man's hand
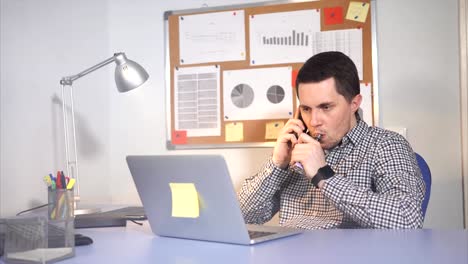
<point>309,153</point>
<point>286,141</point>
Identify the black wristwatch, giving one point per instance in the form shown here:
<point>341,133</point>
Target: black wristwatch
<point>326,172</point>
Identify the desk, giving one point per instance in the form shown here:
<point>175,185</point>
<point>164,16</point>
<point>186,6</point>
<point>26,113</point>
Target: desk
<point>137,244</point>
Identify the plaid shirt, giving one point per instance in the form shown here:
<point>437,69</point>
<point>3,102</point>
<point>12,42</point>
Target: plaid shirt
<point>377,184</point>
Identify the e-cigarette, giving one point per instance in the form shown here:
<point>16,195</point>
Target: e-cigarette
<point>297,167</point>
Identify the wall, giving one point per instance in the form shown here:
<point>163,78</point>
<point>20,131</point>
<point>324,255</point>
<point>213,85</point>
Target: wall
<point>142,112</point>
<point>42,41</point>
<point>417,64</point>
<point>463,16</point>
<point>419,90</point>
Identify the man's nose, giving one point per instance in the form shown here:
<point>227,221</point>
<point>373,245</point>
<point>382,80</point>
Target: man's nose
<point>315,118</point>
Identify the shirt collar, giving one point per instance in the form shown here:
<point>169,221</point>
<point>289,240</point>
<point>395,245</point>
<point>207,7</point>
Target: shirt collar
<point>355,134</point>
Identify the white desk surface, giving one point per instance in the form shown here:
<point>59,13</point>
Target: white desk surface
<point>137,244</point>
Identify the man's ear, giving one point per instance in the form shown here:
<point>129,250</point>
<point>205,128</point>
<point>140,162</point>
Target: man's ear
<point>356,103</point>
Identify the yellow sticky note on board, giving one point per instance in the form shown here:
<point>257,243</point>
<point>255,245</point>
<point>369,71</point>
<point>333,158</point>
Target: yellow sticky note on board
<point>184,200</point>
<point>234,131</point>
<point>357,11</point>
<point>272,129</point>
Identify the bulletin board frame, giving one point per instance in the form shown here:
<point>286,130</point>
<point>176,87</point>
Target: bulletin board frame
<point>257,139</point>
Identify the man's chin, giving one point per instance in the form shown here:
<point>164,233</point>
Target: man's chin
<point>328,145</point>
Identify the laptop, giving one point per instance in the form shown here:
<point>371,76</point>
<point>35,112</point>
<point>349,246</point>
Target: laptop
<point>219,219</point>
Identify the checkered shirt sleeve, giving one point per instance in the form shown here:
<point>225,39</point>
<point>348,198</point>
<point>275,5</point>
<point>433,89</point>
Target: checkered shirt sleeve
<point>395,197</point>
<point>259,196</point>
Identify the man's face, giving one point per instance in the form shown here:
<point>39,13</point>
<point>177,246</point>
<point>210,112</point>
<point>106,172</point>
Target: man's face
<point>326,112</point>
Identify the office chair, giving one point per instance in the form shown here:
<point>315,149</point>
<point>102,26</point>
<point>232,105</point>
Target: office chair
<point>426,174</point>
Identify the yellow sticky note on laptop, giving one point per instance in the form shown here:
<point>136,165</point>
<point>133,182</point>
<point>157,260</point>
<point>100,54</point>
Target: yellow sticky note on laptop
<point>184,200</point>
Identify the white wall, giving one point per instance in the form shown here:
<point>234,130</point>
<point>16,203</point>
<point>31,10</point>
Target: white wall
<point>419,90</point>
<point>68,36</point>
<point>142,112</point>
<point>42,41</point>
<point>464,95</point>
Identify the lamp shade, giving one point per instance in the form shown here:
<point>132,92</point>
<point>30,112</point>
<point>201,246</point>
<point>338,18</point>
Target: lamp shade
<point>128,74</point>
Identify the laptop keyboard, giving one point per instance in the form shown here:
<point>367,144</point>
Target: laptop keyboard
<point>257,234</point>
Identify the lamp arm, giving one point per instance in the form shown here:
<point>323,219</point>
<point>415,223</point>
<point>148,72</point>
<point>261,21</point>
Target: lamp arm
<point>68,80</point>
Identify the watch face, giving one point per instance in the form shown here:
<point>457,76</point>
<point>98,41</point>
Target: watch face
<point>326,172</point>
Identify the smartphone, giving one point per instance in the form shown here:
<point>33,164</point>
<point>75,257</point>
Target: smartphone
<point>298,115</point>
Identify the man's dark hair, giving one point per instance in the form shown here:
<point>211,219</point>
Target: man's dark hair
<point>331,64</point>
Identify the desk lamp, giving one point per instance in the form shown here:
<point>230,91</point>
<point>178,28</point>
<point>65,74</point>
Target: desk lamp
<point>128,75</point>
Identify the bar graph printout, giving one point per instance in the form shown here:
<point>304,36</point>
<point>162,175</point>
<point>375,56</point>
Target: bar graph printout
<point>282,37</point>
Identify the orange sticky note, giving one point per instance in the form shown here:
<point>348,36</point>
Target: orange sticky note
<point>293,78</point>
<point>179,137</point>
<point>333,15</point>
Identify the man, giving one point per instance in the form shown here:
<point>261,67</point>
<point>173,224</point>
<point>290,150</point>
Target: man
<point>351,176</point>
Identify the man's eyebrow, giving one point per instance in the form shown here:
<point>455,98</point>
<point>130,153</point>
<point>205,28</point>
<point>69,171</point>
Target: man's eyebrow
<point>325,104</point>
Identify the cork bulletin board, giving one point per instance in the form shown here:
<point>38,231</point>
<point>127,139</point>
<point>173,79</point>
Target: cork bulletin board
<point>230,71</point>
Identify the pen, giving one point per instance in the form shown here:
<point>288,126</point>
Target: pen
<point>58,180</point>
<point>63,182</point>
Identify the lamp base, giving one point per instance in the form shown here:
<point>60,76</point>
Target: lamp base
<point>117,217</point>
<point>86,211</point>
<point>83,211</point>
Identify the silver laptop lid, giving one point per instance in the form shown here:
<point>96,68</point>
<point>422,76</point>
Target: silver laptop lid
<point>219,219</point>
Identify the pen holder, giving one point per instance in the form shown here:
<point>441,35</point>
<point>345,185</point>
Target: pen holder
<point>61,230</point>
<point>61,205</point>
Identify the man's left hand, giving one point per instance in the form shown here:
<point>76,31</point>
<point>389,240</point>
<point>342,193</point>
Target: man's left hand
<point>309,153</point>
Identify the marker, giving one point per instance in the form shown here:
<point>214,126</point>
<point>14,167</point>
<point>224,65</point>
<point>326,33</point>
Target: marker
<point>48,180</point>
<point>71,183</point>
<point>58,181</point>
<point>63,181</point>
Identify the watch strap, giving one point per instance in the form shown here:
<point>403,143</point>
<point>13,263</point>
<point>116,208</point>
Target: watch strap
<point>324,173</point>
